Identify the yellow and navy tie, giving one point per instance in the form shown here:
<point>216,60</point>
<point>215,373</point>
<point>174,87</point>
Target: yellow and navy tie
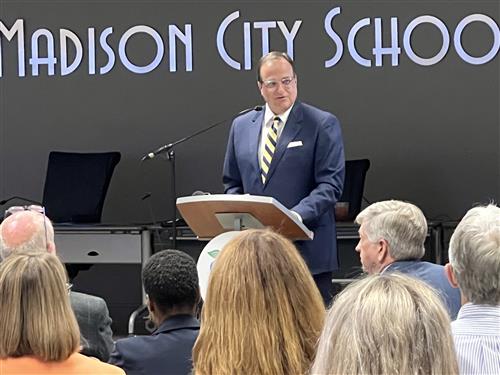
<point>269,148</point>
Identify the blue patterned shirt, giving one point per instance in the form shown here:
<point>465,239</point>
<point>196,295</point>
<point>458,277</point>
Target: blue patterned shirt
<point>476,333</point>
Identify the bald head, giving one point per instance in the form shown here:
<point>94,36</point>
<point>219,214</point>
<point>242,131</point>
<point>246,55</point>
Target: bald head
<point>26,231</point>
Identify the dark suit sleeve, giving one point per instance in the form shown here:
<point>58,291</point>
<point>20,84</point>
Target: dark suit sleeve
<point>329,170</point>
<point>231,177</point>
<point>116,357</point>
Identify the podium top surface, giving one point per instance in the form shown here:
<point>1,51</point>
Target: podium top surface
<point>200,213</point>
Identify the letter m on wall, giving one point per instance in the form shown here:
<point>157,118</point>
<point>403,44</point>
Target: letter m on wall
<point>17,28</point>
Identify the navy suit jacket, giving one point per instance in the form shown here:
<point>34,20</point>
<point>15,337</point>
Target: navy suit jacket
<point>307,179</point>
<point>434,275</point>
<point>166,351</point>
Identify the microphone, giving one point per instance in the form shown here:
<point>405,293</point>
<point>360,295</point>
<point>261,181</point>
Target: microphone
<point>158,151</point>
<point>168,147</point>
<point>199,192</point>
<point>21,199</point>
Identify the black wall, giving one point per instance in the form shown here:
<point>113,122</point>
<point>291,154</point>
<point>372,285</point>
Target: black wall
<point>431,133</point>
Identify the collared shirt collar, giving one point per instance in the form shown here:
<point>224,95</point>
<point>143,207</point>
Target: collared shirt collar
<point>269,115</point>
<point>472,311</point>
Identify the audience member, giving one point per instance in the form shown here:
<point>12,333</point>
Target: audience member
<point>39,332</point>
<point>171,283</point>
<point>30,230</point>
<point>475,268</point>
<point>263,313</point>
<point>392,235</point>
<point>386,324</point>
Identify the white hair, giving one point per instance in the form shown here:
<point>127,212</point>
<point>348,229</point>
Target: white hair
<point>474,254</point>
<point>401,224</point>
<point>40,239</point>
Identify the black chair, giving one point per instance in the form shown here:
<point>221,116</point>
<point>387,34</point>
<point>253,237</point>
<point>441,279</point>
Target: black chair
<point>354,185</point>
<point>76,185</point>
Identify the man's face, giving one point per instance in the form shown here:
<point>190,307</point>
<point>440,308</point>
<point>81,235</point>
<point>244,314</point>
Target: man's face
<point>278,96</point>
<point>370,253</point>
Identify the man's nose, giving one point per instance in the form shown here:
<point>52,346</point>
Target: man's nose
<point>281,87</point>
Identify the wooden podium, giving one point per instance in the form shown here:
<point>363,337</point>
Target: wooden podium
<point>210,215</point>
<point>220,217</point>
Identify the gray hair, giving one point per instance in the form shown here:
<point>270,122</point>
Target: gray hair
<point>274,55</point>
<point>386,324</point>
<point>42,235</point>
<point>474,254</point>
<point>401,224</point>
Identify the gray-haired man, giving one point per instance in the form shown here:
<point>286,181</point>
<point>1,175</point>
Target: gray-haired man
<point>475,268</point>
<point>392,236</point>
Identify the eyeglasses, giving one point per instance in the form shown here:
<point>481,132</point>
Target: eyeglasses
<point>272,84</point>
<point>68,287</point>
<point>34,208</point>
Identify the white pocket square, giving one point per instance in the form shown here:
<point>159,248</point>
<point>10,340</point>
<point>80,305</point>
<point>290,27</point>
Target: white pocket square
<point>294,144</point>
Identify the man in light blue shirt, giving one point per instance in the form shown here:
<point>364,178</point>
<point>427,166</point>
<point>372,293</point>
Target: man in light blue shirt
<point>475,268</point>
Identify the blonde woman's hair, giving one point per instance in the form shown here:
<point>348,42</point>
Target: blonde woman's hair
<point>35,315</point>
<point>386,324</point>
<point>263,313</point>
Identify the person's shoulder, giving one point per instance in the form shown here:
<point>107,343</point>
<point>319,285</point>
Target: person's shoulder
<point>134,341</point>
<point>93,365</point>
<point>433,267</point>
<point>87,302</point>
<point>320,116</point>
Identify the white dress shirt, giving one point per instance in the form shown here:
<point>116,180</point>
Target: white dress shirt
<point>268,122</point>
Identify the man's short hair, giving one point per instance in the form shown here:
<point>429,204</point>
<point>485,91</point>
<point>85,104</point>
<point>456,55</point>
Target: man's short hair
<point>42,233</point>
<point>170,280</point>
<point>401,224</point>
<point>474,254</point>
<point>274,55</point>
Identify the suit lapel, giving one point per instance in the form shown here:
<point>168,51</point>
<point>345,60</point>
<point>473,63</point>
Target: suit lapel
<point>254,132</point>
<point>292,127</point>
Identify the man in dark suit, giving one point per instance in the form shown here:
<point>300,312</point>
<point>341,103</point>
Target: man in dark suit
<point>392,235</point>
<point>293,152</point>
<point>170,280</point>
<point>31,230</point>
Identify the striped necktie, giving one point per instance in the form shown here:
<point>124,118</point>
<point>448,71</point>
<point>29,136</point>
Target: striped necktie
<point>269,148</point>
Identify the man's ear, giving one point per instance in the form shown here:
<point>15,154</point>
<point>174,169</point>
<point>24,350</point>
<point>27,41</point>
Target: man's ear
<point>151,305</point>
<point>51,248</point>
<point>383,250</point>
<point>450,275</point>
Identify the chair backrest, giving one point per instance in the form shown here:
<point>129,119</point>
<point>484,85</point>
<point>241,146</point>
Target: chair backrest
<point>354,185</point>
<point>76,185</point>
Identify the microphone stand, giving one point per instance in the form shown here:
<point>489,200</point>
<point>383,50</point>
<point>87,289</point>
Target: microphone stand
<point>169,149</point>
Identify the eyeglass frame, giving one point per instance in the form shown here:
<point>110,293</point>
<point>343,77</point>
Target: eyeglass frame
<point>272,84</point>
<point>33,208</point>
